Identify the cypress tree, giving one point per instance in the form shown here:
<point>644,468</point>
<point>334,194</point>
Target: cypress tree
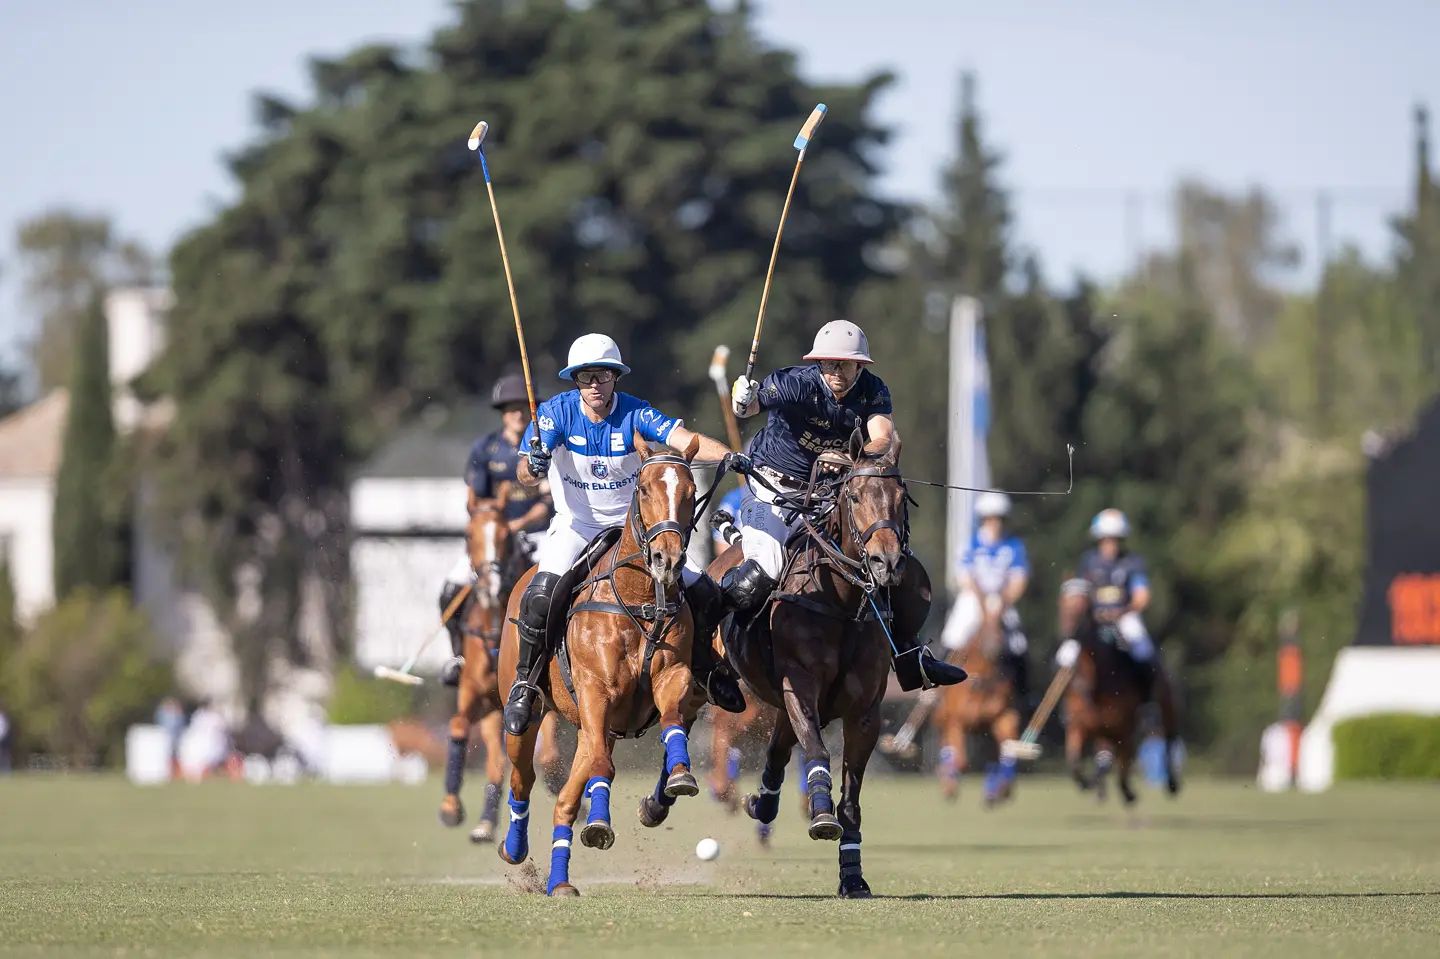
<point>87,550</point>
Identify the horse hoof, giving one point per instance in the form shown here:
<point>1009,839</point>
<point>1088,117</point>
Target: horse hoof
<point>681,784</point>
<point>597,835</point>
<point>825,826</point>
<point>564,889</point>
<point>485,832</point>
<point>753,809</point>
<point>505,856</point>
<point>452,815</point>
<point>1172,785</point>
<point>652,813</point>
<point>854,887</point>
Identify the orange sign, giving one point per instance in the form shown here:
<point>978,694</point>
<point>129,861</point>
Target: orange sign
<point>1415,609</point>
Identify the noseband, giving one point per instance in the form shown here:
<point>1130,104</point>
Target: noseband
<point>901,526</point>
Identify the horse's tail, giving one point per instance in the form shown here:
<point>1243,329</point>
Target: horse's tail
<point>724,526</point>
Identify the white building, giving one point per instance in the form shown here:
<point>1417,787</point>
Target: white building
<point>30,450</point>
<point>407,511</point>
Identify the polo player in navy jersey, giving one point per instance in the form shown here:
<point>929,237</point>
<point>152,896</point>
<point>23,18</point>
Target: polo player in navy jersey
<point>489,471</point>
<point>812,409</point>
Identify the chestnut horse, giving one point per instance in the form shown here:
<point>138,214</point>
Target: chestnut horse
<point>628,642</point>
<point>985,701</point>
<point>827,655</point>
<point>498,559</point>
<point>1103,703</point>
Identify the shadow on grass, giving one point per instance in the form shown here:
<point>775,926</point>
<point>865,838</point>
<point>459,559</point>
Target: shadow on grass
<point>1115,894</point>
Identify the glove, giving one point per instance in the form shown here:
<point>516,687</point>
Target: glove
<point>1067,654</point>
<point>738,462</point>
<point>742,394</point>
<point>538,459</point>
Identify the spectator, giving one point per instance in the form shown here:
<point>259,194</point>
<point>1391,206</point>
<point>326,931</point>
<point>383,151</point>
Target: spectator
<point>170,716</point>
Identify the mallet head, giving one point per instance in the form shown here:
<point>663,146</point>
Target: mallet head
<point>717,363</point>
<point>477,135</point>
<point>812,122</point>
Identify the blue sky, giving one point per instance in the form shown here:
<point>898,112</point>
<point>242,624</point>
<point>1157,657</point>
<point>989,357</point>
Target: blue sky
<point>128,107</point>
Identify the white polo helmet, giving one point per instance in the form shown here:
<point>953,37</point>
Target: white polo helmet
<point>1109,524</point>
<point>594,349</point>
<point>840,340</point>
<point>992,504</point>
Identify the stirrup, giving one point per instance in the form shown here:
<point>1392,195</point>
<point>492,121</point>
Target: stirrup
<point>513,701</point>
<point>452,670</point>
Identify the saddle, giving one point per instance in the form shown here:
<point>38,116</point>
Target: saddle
<point>557,623</point>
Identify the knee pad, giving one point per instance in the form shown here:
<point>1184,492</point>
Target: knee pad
<point>535,604</point>
<point>448,594</point>
<point>746,586</point>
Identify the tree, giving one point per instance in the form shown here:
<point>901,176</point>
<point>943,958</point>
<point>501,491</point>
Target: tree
<point>81,676</point>
<point>89,501</point>
<point>640,150</point>
<point>69,258</point>
<point>1039,349</point>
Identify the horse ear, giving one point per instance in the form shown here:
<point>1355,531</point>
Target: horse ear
<point>692,448</point>
<point>857,444</point>
<point>642,447</point>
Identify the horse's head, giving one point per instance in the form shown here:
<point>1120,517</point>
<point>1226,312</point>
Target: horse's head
<point>487,539</point>
<point>875,523</point>
<point>663,511</point>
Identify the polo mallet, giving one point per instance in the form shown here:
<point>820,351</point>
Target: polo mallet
<point>477,143</point>
<point>717,376</point>
<point>802,142</point>
<point>403,674</point>
<point>1028,745</point>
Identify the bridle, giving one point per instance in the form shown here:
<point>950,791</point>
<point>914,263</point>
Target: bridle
<point>645,535</point>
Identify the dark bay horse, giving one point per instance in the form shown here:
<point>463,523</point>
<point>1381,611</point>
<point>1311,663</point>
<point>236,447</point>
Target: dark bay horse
<point>628,649</point>
<point>827,656</point>
<point>985,701</point>
<point>498,560</point>
<point>1103,704</point>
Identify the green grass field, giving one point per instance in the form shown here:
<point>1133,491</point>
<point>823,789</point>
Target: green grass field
<point>92,866</point>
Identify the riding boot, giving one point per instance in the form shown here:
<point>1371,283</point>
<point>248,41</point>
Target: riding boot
<point>918,668</point>
<point>455,665</point>
<point>707,607</point>
<point>534,610</point>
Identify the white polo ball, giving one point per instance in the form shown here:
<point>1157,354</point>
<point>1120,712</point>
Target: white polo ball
<point>707,849</point>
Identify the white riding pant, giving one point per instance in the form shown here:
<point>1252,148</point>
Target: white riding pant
<point>763,531</point>
<point>566,539</point>
<point>966,616</point>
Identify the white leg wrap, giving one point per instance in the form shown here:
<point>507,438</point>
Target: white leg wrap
<point>1137,637</point>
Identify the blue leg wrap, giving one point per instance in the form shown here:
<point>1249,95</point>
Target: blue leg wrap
<point>817,777</point>
<point>559,858</point>
<point>947,761</point>
<point>1007,769</point>
<point>598,792</point>
<point>517,836</point>
<point>455,766</point>
<point>659,794</point>
<point>767,804</point>
<point>677,747</point>
<point>804,783</point>
<point>732,763</point>
<point>992,780</point>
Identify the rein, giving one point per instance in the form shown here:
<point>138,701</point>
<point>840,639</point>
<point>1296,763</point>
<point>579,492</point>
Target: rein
<point>661,613</point>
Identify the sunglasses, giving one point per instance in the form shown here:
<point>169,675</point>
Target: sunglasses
<point>835,366</point>
<point>594,377</point>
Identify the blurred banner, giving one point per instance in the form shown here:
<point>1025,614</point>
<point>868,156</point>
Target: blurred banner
<point>969,461</point>
<point>1401,604</point>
